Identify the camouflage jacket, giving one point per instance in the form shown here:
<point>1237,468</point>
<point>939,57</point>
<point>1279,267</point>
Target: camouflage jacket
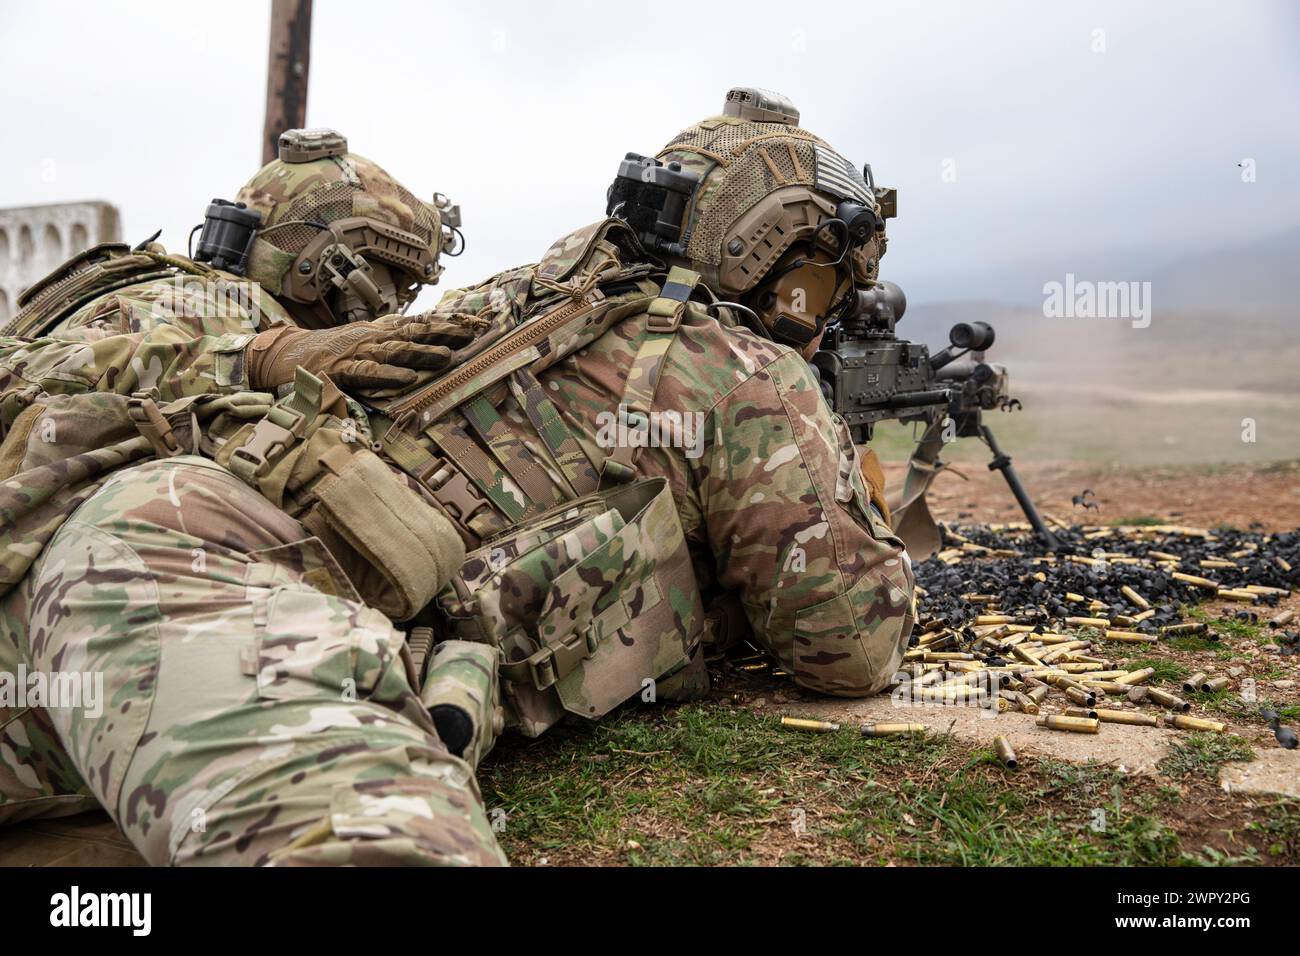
<point>183,335</point>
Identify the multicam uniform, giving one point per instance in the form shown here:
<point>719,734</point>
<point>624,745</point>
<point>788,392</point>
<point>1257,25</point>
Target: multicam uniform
<point>770,497</point>
<point>254,709</point>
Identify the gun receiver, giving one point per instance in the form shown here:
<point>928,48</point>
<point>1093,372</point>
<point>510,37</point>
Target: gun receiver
<point>869,375</point>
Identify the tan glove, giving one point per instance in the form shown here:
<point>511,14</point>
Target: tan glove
<point>386,355</point>
<point>874,476</point>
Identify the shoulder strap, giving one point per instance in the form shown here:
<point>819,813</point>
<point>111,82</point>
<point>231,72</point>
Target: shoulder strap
<point>664,317</point>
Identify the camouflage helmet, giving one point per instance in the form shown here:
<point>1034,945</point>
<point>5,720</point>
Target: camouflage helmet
<point>760,185</point>
<point>338,231</point>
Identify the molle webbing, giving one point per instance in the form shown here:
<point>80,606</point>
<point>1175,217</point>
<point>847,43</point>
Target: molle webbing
<point>511,452</point>
<point>487,493</point>
<point>664,316</point>
<point>555,433</point>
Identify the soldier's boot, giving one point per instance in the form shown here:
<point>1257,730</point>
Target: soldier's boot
<point>252,710</point>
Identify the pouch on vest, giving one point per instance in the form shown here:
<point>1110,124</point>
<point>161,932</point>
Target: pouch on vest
<point>589,604</point>
<point>308,457</point>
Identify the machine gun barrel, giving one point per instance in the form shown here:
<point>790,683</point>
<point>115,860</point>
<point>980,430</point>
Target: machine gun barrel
<point>938,396</point>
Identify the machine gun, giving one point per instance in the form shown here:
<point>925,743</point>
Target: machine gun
<point>869,375</point>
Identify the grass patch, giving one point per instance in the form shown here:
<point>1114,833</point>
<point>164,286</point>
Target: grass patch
<point>1231,627</point>
<point>1280,829</point>
<point>1166,671</point>
<point>1203,754</point>
<point>1230,704</point>
<point>710,783</point>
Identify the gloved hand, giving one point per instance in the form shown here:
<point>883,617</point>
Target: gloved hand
<point>874,476</point>
<point>386,355</point>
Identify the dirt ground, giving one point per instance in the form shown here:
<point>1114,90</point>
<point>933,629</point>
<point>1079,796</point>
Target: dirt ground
<point>1237,495</point>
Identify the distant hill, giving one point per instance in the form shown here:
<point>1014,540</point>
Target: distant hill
<point>1249,278</point>
<point>1255,277</point>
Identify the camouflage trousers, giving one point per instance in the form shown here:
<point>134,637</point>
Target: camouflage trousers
<point>252,710</point>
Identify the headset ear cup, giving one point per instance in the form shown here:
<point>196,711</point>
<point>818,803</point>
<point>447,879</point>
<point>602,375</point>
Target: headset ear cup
<point>795,306</point>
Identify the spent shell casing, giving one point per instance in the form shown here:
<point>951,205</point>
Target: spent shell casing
<point>1037,694</point>
<point>1282,619</point>
<point>1193,683</point>
<point>1197,627</point>
<point>1265,589</point>
<point>1127,717</point>
<point>1093,676</point>
<point>1136,677</point>
<point>1183,722</point>
<point>1005,754</point>
<point>810,726</point>
<point>1218,683</point>
<point>1081,712</point>
<point>1196,581</point>
<point>1099,622</point>
<point>889,730</point>
<point>1077,725</point>
<point>1081,697</point>
<point>1108,687</point>
<point>1024,655</point>
<point>1142,603</point>
<point>1166,699</point>
<point>1129,637</point>
<point>1026,703</point>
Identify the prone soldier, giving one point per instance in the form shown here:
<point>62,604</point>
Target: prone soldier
<point>664,349</point>
<point>255,701</point>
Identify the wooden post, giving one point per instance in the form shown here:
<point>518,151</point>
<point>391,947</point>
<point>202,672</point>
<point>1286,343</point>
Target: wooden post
<point>286,72</point>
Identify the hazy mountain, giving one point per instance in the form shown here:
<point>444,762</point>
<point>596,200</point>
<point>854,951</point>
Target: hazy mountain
<point>1254,277</point>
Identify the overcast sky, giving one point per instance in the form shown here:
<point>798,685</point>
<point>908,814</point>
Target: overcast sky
<point>1065,158</point>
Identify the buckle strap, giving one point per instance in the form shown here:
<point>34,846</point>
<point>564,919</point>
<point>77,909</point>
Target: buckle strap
<point>150,422</point>
<point>665,312</point>
<point>271,439</point>
<point>452,490</point>
<point>553,662</point>
<point>279,430</point>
